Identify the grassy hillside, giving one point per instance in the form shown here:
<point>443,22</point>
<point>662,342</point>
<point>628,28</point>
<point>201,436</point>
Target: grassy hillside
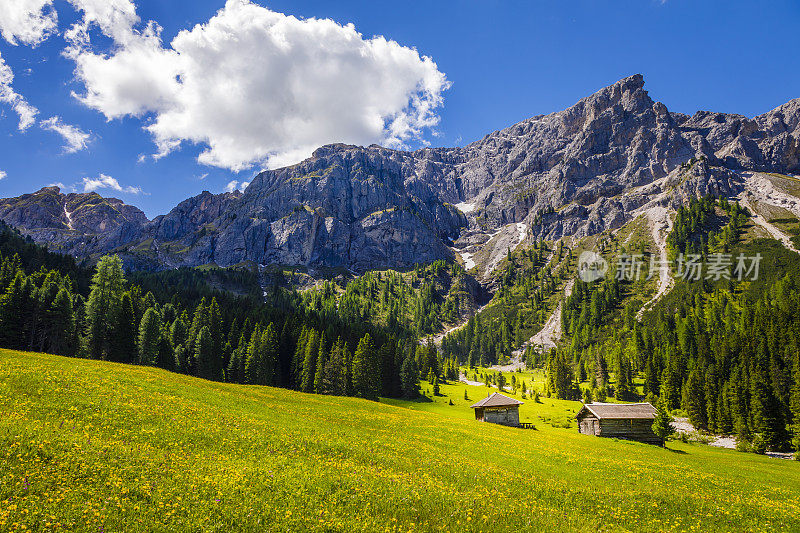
<point>95,446</point>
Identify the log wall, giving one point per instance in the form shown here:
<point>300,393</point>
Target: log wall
<point>632,429</point>
<point>507,416</point>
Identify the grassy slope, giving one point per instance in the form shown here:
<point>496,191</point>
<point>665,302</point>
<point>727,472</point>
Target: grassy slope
<point>94,446</point>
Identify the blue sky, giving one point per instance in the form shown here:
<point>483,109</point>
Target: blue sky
<point>264,98</point>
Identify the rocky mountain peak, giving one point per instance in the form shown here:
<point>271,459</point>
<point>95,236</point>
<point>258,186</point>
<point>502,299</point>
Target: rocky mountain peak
<point>574,173</point>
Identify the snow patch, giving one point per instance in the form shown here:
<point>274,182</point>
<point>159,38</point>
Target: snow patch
<point>468,261</point>
<point>69,217</point>
<point>522,229</point>
<point>465,207</point>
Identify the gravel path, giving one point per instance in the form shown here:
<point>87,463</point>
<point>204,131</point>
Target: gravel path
<point>777,234</point>
<point>661,225</point>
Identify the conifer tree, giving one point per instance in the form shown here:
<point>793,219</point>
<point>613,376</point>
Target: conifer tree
<point>320,370</point>
<point>347,370</point>
<point>181,359</point>
<point>178,331</point>
<point>310,362</point>
<point>623,391</point>
<point>204,352</point>
<point>409,377</point>
<point>694,398</point>
<point>366,373</point>
<point>215,327</point>
<point>269,356</point>
<point>235,373</point>
<point>61,331</point>
<point>149,336</point>
<point>333,381</point>
<point>124,341</point>
<point>38,327</point>
<point>253,357</point>
<point>101,309</point>
<point>662,425</point>
<point>166,355</point>
<point>296,370</point>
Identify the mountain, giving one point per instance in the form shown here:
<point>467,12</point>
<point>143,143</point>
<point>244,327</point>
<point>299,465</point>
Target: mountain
<point>79,224</point>
<point>577,172</point>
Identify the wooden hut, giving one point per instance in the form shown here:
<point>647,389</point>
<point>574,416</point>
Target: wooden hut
<point>498,409</point>
<point>631,421</point>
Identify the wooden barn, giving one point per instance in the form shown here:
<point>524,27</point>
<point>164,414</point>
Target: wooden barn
<point>498,409</point>
<point>631,421</point>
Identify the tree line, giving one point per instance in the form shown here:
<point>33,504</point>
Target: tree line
<point>181,325</point>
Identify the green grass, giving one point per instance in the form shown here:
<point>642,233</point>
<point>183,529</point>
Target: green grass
<point>95,446</point>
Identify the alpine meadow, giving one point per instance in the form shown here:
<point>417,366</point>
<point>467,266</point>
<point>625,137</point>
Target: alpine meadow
<point>358,310</point>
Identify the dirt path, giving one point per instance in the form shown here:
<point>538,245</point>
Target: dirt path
<point>463,379</point>
<point>661,225</point>
<point>546,338</point>
<point>776,234</point>
<point>437,339</point>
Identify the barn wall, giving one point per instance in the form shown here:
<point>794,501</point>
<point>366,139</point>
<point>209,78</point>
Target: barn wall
<point>589,425</point>
<point>508,416</point>
<point>632,429</point>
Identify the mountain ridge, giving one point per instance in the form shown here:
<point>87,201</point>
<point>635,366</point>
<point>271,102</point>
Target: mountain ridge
<point>574,172</point>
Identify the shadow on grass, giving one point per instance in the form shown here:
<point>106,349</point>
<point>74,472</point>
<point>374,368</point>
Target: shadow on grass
<point>679,452</point>
<point>422,399</point>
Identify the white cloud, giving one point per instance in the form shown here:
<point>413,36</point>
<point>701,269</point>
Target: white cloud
<point>253,86</point>
<point>115,18</point>
<point>27,21</point>
<point>3,174</point>
<point>26,112</point>
<point>234,185</point>
<point>75,138</point>
<point>107,182</point>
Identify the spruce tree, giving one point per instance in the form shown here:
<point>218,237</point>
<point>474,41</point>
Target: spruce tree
<point>149,337</point>
<point>310,362</point>
<point>166,355</point>
<point>366,373</point>
<point>215,327</point>
<point>206,358</point>
<point>182,363</point>
<point>108,283</point>
<point>235,372</point>
<point>269,356</point>
<point>334,379</point>
<point>320,370</point>
<point>124,341</point>
<point>409,377</point>
<point>12,327</point>
<point>178,331</point>
<point>694,402</point>
<point>662,425</point>
<point>252,365</point>
<point>61,330</point>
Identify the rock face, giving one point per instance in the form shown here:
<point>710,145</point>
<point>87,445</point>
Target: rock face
<point>576,172</point>
<point>77,223</point>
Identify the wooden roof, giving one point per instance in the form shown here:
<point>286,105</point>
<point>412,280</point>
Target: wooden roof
<point>618,410</point>
<point>496,400</point>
